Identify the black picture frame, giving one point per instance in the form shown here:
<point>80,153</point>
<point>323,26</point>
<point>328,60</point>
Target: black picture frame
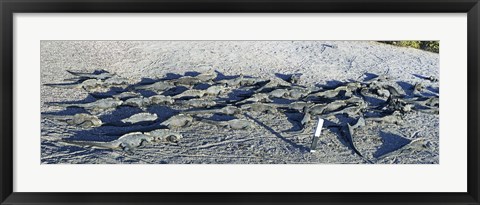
<point>9,7</point>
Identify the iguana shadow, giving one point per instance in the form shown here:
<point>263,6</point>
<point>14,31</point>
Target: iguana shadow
<point>221,76</point>
<point>370,76</point>
<point>391,143</point>
<point>294,118</point>
<point>301,148</point>
<point>406,87</point>
<point>343,134</point>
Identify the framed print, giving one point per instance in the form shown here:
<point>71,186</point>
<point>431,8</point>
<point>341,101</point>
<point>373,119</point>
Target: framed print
<point>239,102</point>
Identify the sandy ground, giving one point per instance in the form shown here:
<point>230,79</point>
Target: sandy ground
<point>322,63</point>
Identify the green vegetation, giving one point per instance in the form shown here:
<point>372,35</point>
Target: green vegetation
<point>432,46</point>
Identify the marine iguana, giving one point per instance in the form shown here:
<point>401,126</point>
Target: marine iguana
<point>187,81</point>
<point>198,103</point>
<point>272,85</point>
<point>257,97</point>
<point>227,110</point>
<point>140,102</point>
<point>260,107</point>
<point>235,124</point>
<point>395,118</point>
<point>296,93</point>
<point>161,100</point>
<point>215,90</point>
<point>399,104</point>
<point>98,74</point>
<point>126,95</point>
<point>421,104</point>
<point>94,85</point>
<point>193,93</point>
<point>350,111</point>
<point>354,100</point>
<point>176,121</point>
<point>241,81</point>
<point>143,118</point>
<point>319,110</point>
<point>83,120</point>
<point>278,93</point>
<point>328,107</point>
<point>126,142</point>
<point>87,85</point>
<point>348,88</point>
<point>165,135</point>
<point>140,117</point>
<point>207,76</point>
<point>115,82</point>
<point>99,105</point>
<point>348,133</point>
<point>130,141</point>
<point>190,81</point>
<point>157,86</point>
<point>324,94</point>
<point>295,106</point>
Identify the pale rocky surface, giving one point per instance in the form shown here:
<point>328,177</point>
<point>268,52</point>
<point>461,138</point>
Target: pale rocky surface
<point>320,62</point>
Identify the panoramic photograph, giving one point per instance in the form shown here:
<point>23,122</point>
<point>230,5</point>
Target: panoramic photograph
<point>239,102</point>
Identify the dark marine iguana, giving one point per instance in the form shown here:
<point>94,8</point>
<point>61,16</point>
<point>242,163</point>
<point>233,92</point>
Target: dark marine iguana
<point>177,121</point>
<point>348,136</point>
<point>157,86</point>
<point>394,118</point>
<point>190,81</point>
<point>83,120</point>
<point>227,110</point>
<point>213,90</point>
<point>130,141</point>
<point>198,103</point>
<point>98,74</point>
<point>99,105</point>
<point>143,118</point>
<point>258,107</point>
<point>241,81</point>
<point>235,124</point>
<point>87,85</point>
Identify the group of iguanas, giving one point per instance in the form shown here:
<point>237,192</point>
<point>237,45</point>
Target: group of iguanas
<point>208,93</point>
